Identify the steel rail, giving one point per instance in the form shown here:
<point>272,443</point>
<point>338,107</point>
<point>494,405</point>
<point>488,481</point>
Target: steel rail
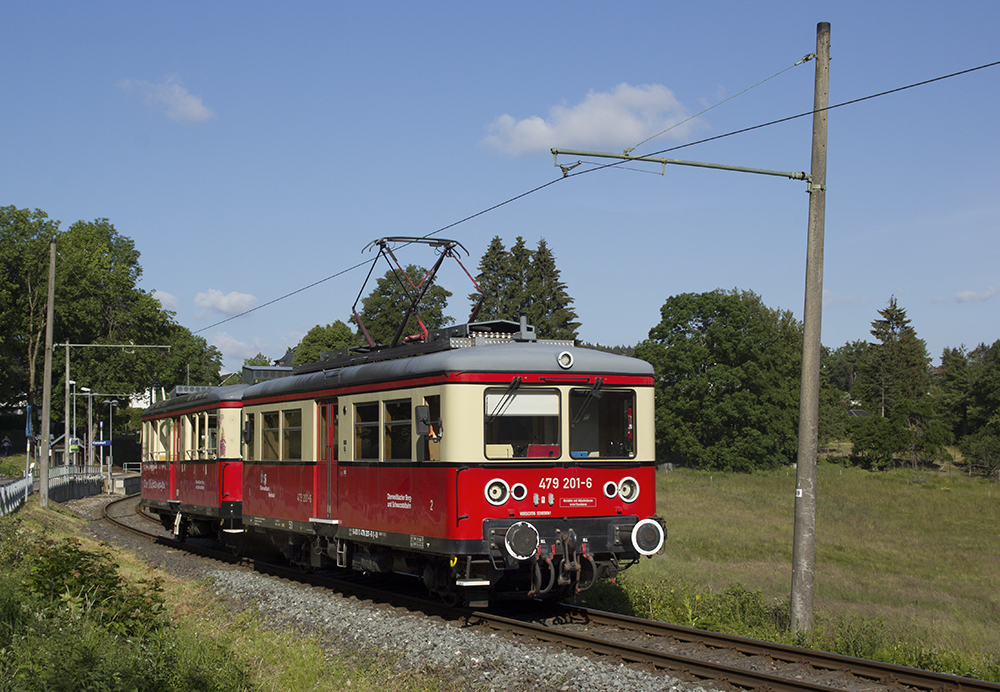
<point>887,673</point>
<point>704,670</point>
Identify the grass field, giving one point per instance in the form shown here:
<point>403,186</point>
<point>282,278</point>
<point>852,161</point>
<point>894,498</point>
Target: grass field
<point>909,559</point>
<point>907,564</point>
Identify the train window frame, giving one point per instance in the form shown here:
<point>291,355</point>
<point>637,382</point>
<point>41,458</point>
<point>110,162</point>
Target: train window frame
<point>367,430</point>
<point>397,431</point>
<point>211,434</point>
<point>502,406</point>
<point>602,423</point>
<point>429,446</point>
<point>270,436</point>
<point>248,439</point>
<point>291,434</point>
<point>165,434</point>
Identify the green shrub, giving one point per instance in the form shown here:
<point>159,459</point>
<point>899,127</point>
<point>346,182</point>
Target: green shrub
<point>72,582</point>
<point>70,621</point>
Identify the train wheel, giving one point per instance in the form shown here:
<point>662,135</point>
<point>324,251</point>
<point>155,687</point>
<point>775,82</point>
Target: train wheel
<point>237,545</point>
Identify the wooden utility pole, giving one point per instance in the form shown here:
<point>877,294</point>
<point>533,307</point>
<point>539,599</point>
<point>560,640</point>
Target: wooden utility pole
<point>804,540</point>
<point>43,457</point>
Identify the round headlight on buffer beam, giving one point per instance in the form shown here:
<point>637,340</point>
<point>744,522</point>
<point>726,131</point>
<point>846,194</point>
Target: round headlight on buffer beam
<point>647,537</point>
<point>628,489</point>
<point>497,491</point>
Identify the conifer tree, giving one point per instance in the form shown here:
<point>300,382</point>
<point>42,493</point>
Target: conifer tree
<point>895,369</point>
<point>495,280</point>
<point>524,281</point>
<point>549,309</point>
<point>517,297</point>
<point>894,381</point>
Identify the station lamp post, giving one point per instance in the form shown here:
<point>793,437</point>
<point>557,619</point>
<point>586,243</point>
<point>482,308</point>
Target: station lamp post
<point>112,403</point>
<point>69,439</point>
<point>90,424</point>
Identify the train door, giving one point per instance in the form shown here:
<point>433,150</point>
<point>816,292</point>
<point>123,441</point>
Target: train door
<point>175,457</point>
<point>328,507</point>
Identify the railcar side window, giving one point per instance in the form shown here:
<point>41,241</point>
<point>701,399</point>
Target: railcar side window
<point>522,424</point>
<point>366,431</point>
<point>269,436</point>
<point>602,423</point>
<point>212,435</point>
<point>248,438</point>
<point>398,429</point>
<point>429,446</point>
<point>291,434</point>
<point>164,433</point>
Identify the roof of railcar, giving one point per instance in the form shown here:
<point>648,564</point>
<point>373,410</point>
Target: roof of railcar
<point>199,400</point>
<point>510,357</point>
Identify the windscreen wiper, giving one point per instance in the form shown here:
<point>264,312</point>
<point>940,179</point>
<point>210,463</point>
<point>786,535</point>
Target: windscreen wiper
<point>505,400</point>
<point>593,393</point>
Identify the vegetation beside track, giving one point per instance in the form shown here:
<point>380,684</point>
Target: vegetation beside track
<point>906,564</point>
<point>75,615</point>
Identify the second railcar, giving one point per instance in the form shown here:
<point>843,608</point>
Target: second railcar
<point>192,471</point>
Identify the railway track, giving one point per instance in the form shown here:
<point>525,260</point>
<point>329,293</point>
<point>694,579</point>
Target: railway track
<point>708,658</point>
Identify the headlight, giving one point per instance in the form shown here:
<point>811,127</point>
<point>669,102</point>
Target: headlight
<point>497,491</point>
<point>628,489</point>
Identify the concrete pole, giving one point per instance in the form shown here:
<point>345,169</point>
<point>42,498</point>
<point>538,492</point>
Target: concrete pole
<point>90,430</point>
<point>66,419</point>
<point>43,458</point>
<point>804,541</point>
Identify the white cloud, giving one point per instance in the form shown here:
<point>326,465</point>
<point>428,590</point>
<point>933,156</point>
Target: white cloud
<point>167,300</point>
<point>972,296</point>
<point>228,304</point>
<point>622,118</point>
<point>233,350</point>
<point>181,106</point>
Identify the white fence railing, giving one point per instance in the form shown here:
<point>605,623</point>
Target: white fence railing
<point>78,472</point>
<point>14,494</point>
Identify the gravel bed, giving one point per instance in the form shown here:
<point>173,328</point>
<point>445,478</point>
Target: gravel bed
<point>480,660</point>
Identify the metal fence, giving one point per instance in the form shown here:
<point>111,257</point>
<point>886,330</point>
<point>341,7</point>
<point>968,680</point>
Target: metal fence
<point>74,472</point>
<point>14,494</point>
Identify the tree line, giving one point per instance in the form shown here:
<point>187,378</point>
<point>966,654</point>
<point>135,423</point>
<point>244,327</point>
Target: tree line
<point>727,366</point>
<point>97,301</point>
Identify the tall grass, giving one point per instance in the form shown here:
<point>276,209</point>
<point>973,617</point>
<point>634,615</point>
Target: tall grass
<point>907,563</point>
<point>78,616</point>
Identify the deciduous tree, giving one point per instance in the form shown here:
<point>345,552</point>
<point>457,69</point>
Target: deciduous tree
<point>322,338</point>
<point>727,381</point>
<point>384,308</point>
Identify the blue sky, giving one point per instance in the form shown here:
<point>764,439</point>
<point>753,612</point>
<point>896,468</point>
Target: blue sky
<point>251,149</point>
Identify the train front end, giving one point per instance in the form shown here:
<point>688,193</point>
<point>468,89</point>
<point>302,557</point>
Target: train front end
<point>562,491</point>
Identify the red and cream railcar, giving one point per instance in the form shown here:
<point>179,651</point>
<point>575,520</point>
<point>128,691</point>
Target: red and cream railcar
<point>192,475</point>
<point>486,463</point>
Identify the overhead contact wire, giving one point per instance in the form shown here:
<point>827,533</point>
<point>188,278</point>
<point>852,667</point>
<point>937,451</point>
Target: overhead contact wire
<point>619,163</point>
